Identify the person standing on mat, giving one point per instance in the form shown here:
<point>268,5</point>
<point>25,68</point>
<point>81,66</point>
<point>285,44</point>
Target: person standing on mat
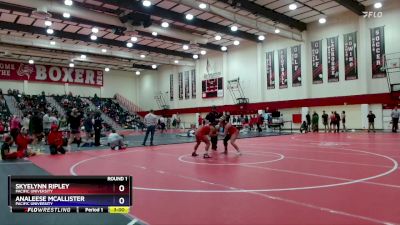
<point>212,117</point>
<point>325,120</point>
<point>337,121</point>
<point>315,121</point>
<point>371,121</point>
<point>231,134</point>
<point>97,125</point>
<point>395,119</point>
<point>308,119</point>
<point>55,141</point>
<point>343,121</point>
<point>202,134</point>
<point>74,120</point>
<point>151,122</point>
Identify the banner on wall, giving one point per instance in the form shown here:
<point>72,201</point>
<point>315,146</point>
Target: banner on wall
<point>193,77</point>
<point>316,59</point>
<point>180,85</point>
<point>270,70</point>
<point>350,56</point>
<point>333,59</point>
<point>283,75</point>
<point>52,74</point>
<point>296,65</point>
<point>212,88</point>
<point>378,52</point>
<point>171,87</point>
<point>187,91</point>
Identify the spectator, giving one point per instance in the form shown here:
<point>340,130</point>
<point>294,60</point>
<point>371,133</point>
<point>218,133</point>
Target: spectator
<point>200,121</point>
<point>260,122</point>
<point>74,119</point>
<point>46,125</point>
<point>344,129</point>
<point>56,141</point>
<point>304,127</point>
<point>308,119</point>
<point>315,121</point>
<point>325,120</point>
<point>337,121</point>
<point>14,127</point>
<point>36,128</point>
<point>26,120</point>
<point>395,119</point>
<point>88,125</point>
<point>332,122</point>
<point>53,119</point>
<point>98,121</point>
<point>371,121</point>
<point>162,124</point>
<point>116,141</point>
<point>151,122</point>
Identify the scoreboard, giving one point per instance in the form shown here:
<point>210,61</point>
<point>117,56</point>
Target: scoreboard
<point>70,194</point>
<point>212,88</point>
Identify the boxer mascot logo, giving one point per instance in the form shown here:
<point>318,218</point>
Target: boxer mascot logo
<point>25,70</point>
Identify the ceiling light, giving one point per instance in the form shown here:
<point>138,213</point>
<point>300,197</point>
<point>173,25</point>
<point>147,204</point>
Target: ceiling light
<point>189,16</point>
<point>185,47</point>
<point>71,65</point>
<point>142,56</point>
<point>236,42</point>
<point>217,37</point>
<point>277,31</point>
<point>68,2</point>
<point>292,6</point>
<point>31,61</point>
<point>95,30</point>
<point>234,28</point>
<point>134,39</point>
<point>154,66</point>
<point>106,69</point>
<point>103,50</point>
<point>322,20</point>
<point>66,15</point>
<point>165,24</point>
<point>154,33</point>
<point>176,61</point>
<point>93,37</point>
<point>138,73</point>
<point>50,31</point>
<point>202,5</point>
<point>195,56</point>
<point>48,23</point>
<point>378,5</point>
<point>224,48</point>
<point>146,3</point>
<point>261,37</point>
<point>83,56</point>
<point>203,52</point>
<point>129,45</point>
<point>52,42</point>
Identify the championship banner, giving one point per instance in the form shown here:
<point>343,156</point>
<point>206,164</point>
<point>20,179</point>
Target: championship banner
<point>350,56</point>
<point>296,65</point>
<point>187,92</point>
<point>316,54</point>
<point>282,56</point>
<point>180,85</point>
<point>270,70</point>
<point>171,87</point>
<point>193,77</point>
<point>52,74</point>
<point>378,52</point>
<point>333,59</point>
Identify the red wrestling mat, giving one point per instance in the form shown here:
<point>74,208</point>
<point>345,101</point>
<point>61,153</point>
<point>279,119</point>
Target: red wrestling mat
<point>297,179</point>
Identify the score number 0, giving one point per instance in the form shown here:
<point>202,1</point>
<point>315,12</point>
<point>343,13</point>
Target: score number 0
<point>121,200</point>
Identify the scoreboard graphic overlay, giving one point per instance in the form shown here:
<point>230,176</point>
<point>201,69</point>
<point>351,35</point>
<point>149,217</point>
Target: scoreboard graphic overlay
<point>212,88</point>
<point>70,194</point>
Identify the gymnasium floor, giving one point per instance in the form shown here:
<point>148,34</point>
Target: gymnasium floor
<point>346,178</point>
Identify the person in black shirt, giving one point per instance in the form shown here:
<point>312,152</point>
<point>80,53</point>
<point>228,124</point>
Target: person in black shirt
<point>212,117</point>
<point>36,127</point>
<point>5,149</point>
<point>325,120</point>
<point>308,119</point>
<point>337,120</point>
<point>98,124</point>
<point>371,121</point>
<point>74,120</point>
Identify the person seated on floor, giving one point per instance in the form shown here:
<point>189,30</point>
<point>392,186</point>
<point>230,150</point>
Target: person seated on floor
<point>304,127</point>
<point>116,141</point>
<point>5,149</point>
<point>55,140</point>
<point>22,142</point>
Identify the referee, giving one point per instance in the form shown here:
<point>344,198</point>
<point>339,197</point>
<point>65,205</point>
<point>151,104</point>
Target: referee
<point>212,117</point>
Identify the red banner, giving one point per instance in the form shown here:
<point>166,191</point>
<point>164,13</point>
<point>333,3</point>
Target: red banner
<point>51,74</point>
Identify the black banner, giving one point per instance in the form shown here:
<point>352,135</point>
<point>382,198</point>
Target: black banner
<point>270,70</point>
<point>282,56</point>
<point>378,52</point>
<point>350,56</point>
<point>333,58</point>
<point>180,85</point>
<point>316,59</point>
<point>193,77</point>
<point>187,92</point>
<point>171,87</point>
<point>296,65</point>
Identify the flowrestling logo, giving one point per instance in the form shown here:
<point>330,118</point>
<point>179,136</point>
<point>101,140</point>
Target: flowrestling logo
<point>371,14</point>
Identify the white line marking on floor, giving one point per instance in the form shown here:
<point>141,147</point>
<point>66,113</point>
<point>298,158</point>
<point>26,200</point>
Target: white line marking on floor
<point>134,221</point>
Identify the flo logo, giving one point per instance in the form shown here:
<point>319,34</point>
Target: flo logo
<point>371,14</point>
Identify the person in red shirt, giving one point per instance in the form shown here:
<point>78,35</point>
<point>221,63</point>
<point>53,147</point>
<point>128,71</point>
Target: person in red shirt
<point>231,134</point>
<point>22,142</point>
<point>202,134</point>
<point>55,140</point>
<point>200,121</point>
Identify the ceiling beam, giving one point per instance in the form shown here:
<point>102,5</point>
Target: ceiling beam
<point>137,6</point>
<point>86,38</point>
<point>353,6</point>
<point>267,13</point>
<point>143,67</point>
